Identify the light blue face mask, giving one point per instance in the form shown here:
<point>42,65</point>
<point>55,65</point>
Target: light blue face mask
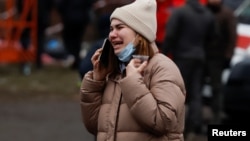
<point>126,54</point>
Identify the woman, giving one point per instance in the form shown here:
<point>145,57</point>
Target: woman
<point>132,99</point>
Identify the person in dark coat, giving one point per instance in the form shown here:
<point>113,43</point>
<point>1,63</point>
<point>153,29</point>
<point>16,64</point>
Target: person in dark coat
<point>219,52</point>
<point>44,14</point>
<point>75,16</point>
<point>189,29</point>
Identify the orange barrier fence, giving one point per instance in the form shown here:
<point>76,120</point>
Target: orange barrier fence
<point>12,24</point>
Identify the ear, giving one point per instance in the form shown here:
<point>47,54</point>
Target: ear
<point>136,40</point>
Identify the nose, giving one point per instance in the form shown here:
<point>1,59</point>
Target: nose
<point>112,34</point>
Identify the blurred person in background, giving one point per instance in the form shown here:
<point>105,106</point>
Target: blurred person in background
<point>44,8</point>
<point>25,39</point>
<point>75,15</point>
<point>219,53</point>
<point>44,14</point>
<point>189,29</point>
<point>133,99</point>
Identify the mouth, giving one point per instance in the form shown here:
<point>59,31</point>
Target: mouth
<point>116,44</point>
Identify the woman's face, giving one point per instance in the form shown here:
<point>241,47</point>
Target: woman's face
<point>120,35</point>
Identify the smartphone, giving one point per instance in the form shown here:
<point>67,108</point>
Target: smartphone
<point>104,57</point>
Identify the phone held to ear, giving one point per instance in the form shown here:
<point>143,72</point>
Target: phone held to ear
<point>104,57</point>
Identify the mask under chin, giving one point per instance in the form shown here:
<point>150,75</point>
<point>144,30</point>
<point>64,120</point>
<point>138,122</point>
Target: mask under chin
<point>126,54</point>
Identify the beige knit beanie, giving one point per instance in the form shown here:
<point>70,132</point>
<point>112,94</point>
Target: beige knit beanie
<point>140,16</point>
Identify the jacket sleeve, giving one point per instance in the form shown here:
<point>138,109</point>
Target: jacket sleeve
<point>91,95</point>
<point>160,106</point>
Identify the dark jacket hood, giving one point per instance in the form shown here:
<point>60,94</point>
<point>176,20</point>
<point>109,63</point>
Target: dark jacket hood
<point>214,8</point>
<point>195,4</point>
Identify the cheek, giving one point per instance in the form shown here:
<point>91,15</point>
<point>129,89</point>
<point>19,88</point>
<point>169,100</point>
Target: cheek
<point>118,50</point>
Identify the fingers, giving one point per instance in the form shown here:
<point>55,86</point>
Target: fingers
<point>142,66</point>
<point>95,58</point>
<point>136,62</point>
<point>96,55</point>
<point>138,65</point>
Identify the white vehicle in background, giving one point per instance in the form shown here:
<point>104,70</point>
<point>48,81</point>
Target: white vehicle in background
<point>236,92</point>
<point>243,31</point>
<point>242,12</point>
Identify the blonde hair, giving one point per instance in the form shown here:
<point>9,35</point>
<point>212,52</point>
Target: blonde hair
<point>143,46</point>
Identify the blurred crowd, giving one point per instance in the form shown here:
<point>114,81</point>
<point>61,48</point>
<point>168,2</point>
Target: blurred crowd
<point>200,37</point>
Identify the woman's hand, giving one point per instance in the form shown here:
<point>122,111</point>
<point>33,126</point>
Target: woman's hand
<point>136,66</point>
<point>99,73</point>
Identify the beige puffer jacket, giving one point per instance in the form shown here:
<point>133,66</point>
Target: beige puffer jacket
<point>135,108</point>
